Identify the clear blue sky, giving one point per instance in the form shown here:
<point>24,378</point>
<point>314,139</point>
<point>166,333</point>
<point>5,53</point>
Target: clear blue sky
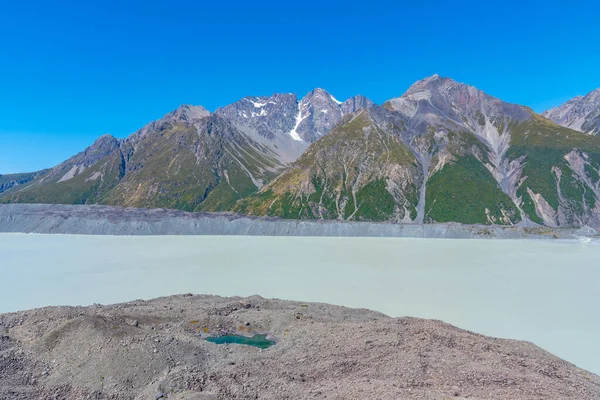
<point>73,70</point>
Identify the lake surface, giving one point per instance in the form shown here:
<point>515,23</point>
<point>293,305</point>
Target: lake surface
<point>542,291</point>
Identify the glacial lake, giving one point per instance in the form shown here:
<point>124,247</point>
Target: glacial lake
<point>546,292</point>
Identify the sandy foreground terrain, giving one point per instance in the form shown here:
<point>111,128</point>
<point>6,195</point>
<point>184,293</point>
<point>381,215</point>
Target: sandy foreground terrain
<point>156,349</point>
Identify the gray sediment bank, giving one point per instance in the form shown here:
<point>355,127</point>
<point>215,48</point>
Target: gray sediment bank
<point>105,220</point>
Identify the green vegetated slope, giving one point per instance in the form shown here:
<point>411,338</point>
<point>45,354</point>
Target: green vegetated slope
<point>557,185</point>
<point>465,191</point>
<point>85,178</point>
<point>14,181</point>
<point>356,172</point>
<point>561,179</point>
<point>88,187</point>
<point>203,167</point>
<point>459,187</point>
<point>175,164</point>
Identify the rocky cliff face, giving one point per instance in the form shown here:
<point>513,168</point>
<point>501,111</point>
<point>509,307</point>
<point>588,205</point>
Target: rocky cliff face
<point>581,113</point>
<point>288,126</point>
<point>319,111</point>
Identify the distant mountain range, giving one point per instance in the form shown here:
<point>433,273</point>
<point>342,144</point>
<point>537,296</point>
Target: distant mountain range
<point>443,151</point>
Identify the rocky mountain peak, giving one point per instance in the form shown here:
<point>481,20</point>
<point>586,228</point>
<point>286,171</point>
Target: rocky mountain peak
<point>107,137</point>
<point>185,113</point>
<point>321,95</point>
<point>268,116</point>
<point>280,115</point>
<point>319,111</point>
<point>594,94</point>
<point>103,145</point>
<point>452,100</point>
<point>443,86</point>
<point>428,81</point>
<point>353,104</point>
<point>188,113</point>
<point>581,113</point>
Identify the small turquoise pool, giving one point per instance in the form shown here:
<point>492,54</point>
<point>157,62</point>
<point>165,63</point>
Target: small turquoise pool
<point>259,341</point>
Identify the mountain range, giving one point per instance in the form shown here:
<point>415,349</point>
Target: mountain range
<point>442,152</point>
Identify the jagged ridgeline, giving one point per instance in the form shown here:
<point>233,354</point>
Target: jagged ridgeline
<point>443,151</point>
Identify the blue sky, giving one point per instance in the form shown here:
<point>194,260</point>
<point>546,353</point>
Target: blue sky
<point>73,70</point>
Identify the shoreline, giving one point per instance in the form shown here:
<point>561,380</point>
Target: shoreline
<point>118,221</point>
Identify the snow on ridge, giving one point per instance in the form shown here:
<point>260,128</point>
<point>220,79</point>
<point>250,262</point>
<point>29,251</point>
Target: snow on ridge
<point>293,132</point>
<point>262,113</point>
<point>256,103</point>
<point>335,100</point>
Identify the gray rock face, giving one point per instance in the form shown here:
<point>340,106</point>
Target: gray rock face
<point>581,113</point>
<point>439,98</point>
<point>268,121</point>
<point>285,125</point>
<point>268,116</point>
<point>187,113</point>
<point>319,111</point>
<point>355,104</point>
<point>443,102</point>
<point>282,114</point>
<point>321,351</point>
<point>102,147</point>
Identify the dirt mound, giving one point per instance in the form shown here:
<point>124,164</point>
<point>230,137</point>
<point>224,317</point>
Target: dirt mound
<point>155,349</point>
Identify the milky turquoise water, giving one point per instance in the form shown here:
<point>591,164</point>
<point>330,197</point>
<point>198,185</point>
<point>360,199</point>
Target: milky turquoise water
<point>259,341</point>
<point>542,291</point>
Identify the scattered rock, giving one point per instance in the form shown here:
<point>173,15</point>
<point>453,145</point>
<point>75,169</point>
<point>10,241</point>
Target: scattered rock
<point>329,352</point>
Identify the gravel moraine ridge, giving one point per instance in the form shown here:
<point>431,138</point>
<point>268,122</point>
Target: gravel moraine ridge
<point>155,349</point>
<point>106,220</point>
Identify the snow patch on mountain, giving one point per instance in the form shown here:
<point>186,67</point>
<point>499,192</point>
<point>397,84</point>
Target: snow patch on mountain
<point>294,132</point>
